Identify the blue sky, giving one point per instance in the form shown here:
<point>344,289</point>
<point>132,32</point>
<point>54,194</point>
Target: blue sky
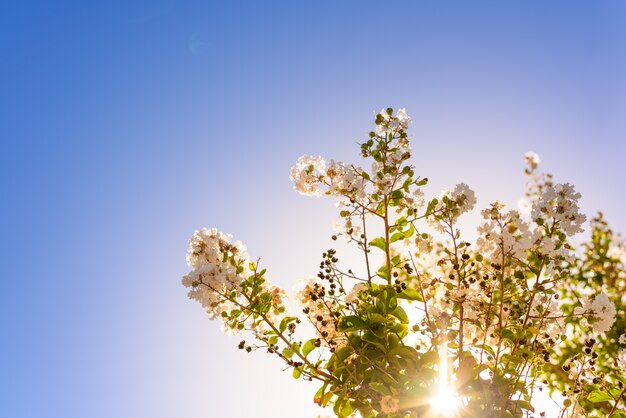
<point>124,126</point>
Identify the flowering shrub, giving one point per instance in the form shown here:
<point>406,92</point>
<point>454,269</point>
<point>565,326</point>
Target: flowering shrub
<point>435,325</point>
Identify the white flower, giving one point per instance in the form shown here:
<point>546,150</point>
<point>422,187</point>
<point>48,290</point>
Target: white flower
<point>306,175</point>
<point>532,160</point>
<point>345,182</point>
<point>503,234</point>
<point>560,203</point>
<point>602,311</point>
<point>403,118</point>
<point>622,339</point>
<point>216,276</point>
<point>389,404</point>
<point>209,245</point>
<point>462,199</point>
<point>353,295</point>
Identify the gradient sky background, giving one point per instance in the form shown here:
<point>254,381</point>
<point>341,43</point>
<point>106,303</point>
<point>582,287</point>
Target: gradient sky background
<point>126,125</point>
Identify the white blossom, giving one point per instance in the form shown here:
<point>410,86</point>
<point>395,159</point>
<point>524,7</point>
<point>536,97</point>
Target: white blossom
<point>389,404</point>
<point>560,204</point>
<point>451,205</point>
<point>602,311</point>
<point>353,295</point>
<point>503,234</point>
<point>306,175</point>
<point>532,160</point>
<point>345,182</point>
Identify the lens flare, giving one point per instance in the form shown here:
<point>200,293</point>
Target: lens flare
<point>445,401</point>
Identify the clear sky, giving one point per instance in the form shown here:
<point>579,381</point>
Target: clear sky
<point>126,125</point>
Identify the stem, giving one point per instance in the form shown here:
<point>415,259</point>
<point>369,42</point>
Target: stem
<point>273,327</point>
<point>365,250</point>
<point>387,243</point>
<point>617,402</point>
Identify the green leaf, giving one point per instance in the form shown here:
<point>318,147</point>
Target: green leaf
<point>380,388</point>
<point>379,243</point>
<point>265,302</point>
<point>431,206</point>
<point>350,323</point>
<point>400,314</point>
<point>410,294</point>
<point>599,396</point>
<point>522,404</point>
<point>429,358</point>
<point>382,272</point>
<point>308,346</point>
<point>343,353</point>
<point>285,322</point>
<point>288,353</point>
<point>396,237</point>
<point>409,232</point>
<point>373,339</point>
<point>386,300</point>
<point>296,373</point>
<point>321,397</point>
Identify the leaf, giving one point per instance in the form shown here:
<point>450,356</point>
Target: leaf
<point>265,302</point>
<point>343,353</point>
<point>373,339</point>
<point>429,358</point>
<point>409,232</point>
<point>382,272</point>
<point>599,396</point>
<point>288,353</point>
<point>285,322</point>
<point>380,388</point>
<point>350,323</point>
<point>400,314</point>
<point>396,237</point>
<point>308,346</point>
<point>522,404</point>
<point>431,206</point>
<point>296,373</point>
<point>386,300</point>
<point>410,294</point>
<point>379,243</point>
<point>321,398</point>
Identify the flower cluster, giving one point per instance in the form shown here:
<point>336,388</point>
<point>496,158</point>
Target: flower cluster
<point>306,175</point>
<point>217,281</point>
<point>451,205</point>
<point>600,311</point>
<point>487,323</point>
<point>560,204</point>
<point>216,265</point>
<point>503,234</point>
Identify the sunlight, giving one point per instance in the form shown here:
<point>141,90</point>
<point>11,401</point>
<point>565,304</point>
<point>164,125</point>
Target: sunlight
<point>445,401</point>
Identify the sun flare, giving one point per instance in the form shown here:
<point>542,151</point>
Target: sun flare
<point>445,402</point>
